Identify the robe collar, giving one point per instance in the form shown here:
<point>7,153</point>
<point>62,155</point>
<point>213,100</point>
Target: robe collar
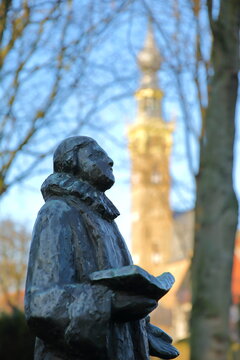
<point>61,184</point>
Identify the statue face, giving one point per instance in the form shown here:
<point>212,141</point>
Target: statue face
<point>95,166</point>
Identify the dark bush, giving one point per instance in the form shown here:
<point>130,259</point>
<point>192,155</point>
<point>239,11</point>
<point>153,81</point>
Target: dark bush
<point>16,342</point>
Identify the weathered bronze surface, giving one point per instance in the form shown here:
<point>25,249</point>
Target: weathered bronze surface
<point>84,298</point>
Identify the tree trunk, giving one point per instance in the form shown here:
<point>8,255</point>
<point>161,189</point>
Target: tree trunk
<point>216,209</point>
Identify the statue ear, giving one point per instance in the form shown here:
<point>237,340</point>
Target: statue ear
<point>74,162</point>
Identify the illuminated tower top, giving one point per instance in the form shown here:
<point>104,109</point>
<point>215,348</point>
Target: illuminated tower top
<point>149,95</point>
<point>149,61</point>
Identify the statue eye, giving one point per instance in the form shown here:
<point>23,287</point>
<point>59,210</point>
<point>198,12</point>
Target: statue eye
<point>99,154</point>
<point>95,155</point>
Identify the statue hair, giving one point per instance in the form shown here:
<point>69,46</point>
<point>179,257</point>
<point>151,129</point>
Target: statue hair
<point>65,158</point>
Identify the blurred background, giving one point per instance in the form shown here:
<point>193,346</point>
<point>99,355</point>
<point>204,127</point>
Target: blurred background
<point>156,84</point>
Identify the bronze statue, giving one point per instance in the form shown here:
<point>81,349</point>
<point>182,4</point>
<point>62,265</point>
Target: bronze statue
<point>84,298</point>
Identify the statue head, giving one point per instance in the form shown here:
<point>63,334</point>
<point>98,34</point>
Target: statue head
<point>82,157</point>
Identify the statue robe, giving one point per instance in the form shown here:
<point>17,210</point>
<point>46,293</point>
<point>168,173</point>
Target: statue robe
<point>75,235</point>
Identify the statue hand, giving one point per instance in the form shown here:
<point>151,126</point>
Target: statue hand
<point>126,307</point>
<point>160,343</point>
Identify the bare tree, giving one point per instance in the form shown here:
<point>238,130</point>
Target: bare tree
<point>14,245</point>
<point>52,81</point>
<point>50,86</point>
<point>216,219</point>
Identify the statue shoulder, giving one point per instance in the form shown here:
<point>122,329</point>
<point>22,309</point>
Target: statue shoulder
<point>55,205</point>
<point>56,209</point>
<point>56,216</point>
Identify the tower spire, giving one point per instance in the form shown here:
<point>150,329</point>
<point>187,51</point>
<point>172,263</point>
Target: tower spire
<point>149,60</point>
<point>149,94</point>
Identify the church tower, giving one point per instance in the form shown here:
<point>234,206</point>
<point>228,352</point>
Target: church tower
<point>150,143</point>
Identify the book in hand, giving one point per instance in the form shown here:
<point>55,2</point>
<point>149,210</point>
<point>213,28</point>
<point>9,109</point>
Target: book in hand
<point>133,279</point>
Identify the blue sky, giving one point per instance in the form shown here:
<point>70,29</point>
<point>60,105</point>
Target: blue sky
<point>117,52</point>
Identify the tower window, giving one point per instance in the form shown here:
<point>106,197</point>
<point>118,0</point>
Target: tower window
<point>156,258</point>
<point>156,178</point>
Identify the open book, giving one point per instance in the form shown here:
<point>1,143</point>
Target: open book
<point>133,279</point>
